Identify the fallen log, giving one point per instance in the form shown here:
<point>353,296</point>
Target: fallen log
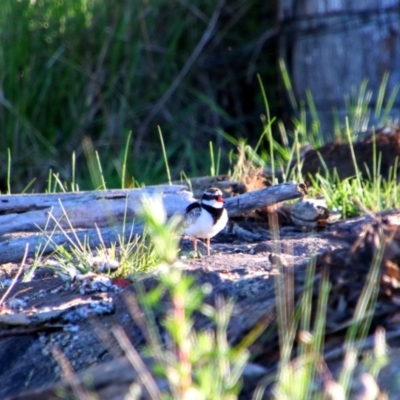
<point>36,212</point>
<point>264,197</point>
<point>103,212</point>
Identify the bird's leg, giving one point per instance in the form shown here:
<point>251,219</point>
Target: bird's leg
<point>195,245</point>
<point>208,246</point>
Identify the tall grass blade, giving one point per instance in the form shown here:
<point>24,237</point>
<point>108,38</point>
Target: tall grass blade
<point>26,188</point>
<point>364,311</point>
<point>74,186</point>
<point>228,137</point>
<point>125,162</point>
<point>267,129</point>
<point>49,181</point>
<point>390,103</point>
<point>184,177</point>
<point>60,184</point>
<point>8,171</point>
<point>374,162</point>
<point>283,133</point>
<point>164,155</point>
<point>93,164</point>
<point>100,169</point>
<point>288,84</point>
<point>317,139</point>
<point>218,162</point>
<point>321,315</point>
<point>212,166</point>
<point>15,278</point>
<point>353,156</point>
<point>381,95</point>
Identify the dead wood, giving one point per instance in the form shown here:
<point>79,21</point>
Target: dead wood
<point>35,212</point>
<point>247,277</point>
<point>263,198</point>
<point>103,212</point>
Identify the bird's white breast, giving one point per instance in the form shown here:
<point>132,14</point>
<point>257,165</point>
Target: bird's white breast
<point>204,227</point>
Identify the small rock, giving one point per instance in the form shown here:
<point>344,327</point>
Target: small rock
<point>103,264</point>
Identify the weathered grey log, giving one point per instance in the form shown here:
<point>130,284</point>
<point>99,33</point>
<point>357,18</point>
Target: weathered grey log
<point>225,183</point>
<point>264,197</point>
<point>175,199</point>
<point>22,213</point>
<point>31,212</point>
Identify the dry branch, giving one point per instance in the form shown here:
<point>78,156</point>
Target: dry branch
<point>264,197</point>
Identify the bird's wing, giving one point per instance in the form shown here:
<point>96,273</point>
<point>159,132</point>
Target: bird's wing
<point>192,212</point>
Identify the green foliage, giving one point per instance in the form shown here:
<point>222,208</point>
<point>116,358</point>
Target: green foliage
<point>76,69</point>
<point>374,192</point>
<point>203,365</point>
<point>197,365</point>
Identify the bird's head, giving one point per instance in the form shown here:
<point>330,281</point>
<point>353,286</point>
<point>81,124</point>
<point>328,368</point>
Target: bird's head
<point>213,197</point>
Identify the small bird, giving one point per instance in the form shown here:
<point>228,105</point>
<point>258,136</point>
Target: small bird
<point>206,218</point>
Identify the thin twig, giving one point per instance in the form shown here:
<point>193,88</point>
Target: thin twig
<point>136,361</point>
<point>70,376</point>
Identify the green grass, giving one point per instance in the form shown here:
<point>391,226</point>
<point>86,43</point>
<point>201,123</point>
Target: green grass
<point>131,255</point>
<point>301,372</point>
<point>204,365</point>
<point>75,72</point>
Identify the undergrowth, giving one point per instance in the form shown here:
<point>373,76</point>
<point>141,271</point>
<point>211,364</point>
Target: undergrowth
<point>81,71</point>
